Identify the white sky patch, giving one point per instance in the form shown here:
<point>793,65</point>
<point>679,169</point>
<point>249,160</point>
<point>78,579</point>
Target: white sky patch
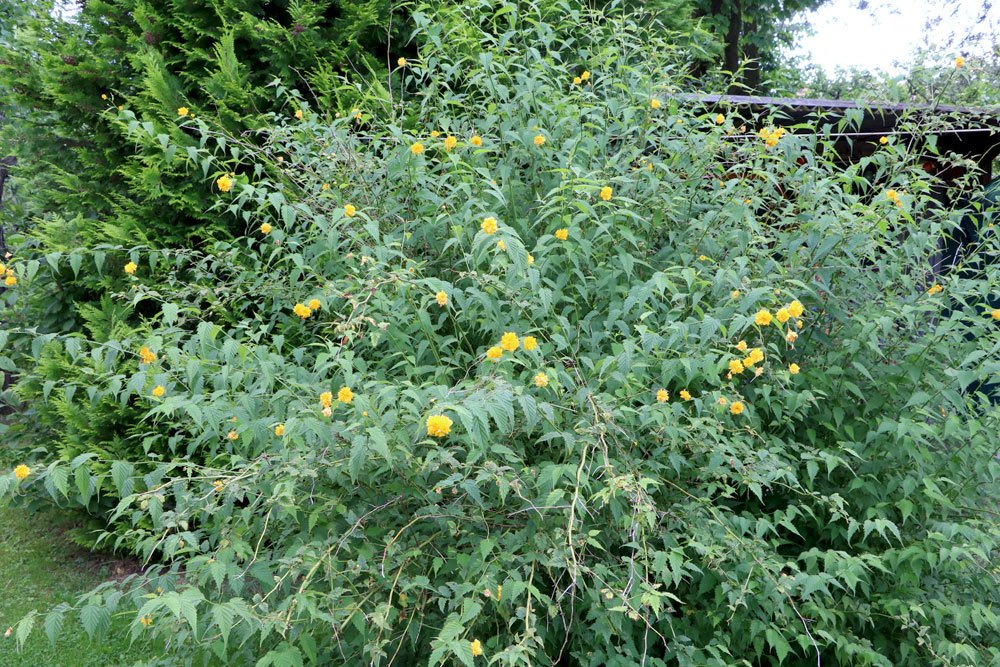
<point>886,34</point>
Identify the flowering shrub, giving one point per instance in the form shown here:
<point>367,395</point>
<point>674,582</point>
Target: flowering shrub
<point>701,407</point>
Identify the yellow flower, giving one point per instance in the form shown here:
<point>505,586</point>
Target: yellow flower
<point>531,259</point>
<point>562,234</point>
<point>345,395</point>
<point>182,111</point>
<point>104,96</point>
<point>146,620</point>
<point>791,336</point>
<point>224,183</point>
<point>662,396</point>
<point>350,210</point>
<point>935,289</point>
<point>735,294</point>
<point>417,148</point>
<point>158,391</point>
<point>302,310</point>
<point>736,408</point>
<point>995,315</point>
<point>501,245</point>
<point>771,137</point>
<point>763,317</point>
<point>685,394</point>
<point>21,472</point>
<point>131,267</point>
<point>450,142</point>
<point>959,62</point>
<point>438,426</point>
<point>265,228</point>
<point>794,369</point>
<point>326,186</point>
<point>529,343</point>
<point>755,355</point>
<point>10,281</point>
<point>509,341</point>
<point>736,366</point>
<point>326,399</point>
<point>146,355</point>
<point>476,140</point>
<point>489,226</point>
<point>401,62</point>
<point>893,196</point>
<point>883,140</point>
<point>720,119</point>
<point>477,648</point>
<point>782,315</point>
<point>795,308</point>
<point>577,81</point>
<point>722,400</point>
<point>232,435</point>
<point>539,140</point>
<point>218,485</point>
<point>541,380</point>
<point>435,134</point>
<point>654,103</point>
<point>741,346</point>
<point>585,75</point>
<point>606,193</point>
<point>442,298</point>
<point>279,430</point>
<point>298,114</point>
<point>494,353</point>
<point>314,304</point>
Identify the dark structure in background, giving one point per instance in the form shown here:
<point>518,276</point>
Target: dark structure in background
<point>974,133</point>
<point>5,165</point>
<point>930,131</point>
<point>856,129</point>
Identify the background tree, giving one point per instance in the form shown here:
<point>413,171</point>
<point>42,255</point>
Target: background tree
<point>752,32</point>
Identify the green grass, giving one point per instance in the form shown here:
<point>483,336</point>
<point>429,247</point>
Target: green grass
<point>40,568</point>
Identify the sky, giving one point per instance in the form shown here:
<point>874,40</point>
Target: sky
<point>889,31</point>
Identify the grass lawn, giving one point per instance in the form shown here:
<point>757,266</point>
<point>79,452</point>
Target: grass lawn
<point>40,568</point>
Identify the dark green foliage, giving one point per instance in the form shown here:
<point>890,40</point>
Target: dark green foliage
<point>152,57</point>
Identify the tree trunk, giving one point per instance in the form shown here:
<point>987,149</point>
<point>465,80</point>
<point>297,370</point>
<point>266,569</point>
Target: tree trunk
<point>731,56</point>
<point>751,61</point>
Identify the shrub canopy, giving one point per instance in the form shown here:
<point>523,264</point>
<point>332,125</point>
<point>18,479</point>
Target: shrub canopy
<point>531,360</point>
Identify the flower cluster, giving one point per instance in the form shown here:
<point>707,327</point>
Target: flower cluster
<point>771,136</point>
<point>9,278</point>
